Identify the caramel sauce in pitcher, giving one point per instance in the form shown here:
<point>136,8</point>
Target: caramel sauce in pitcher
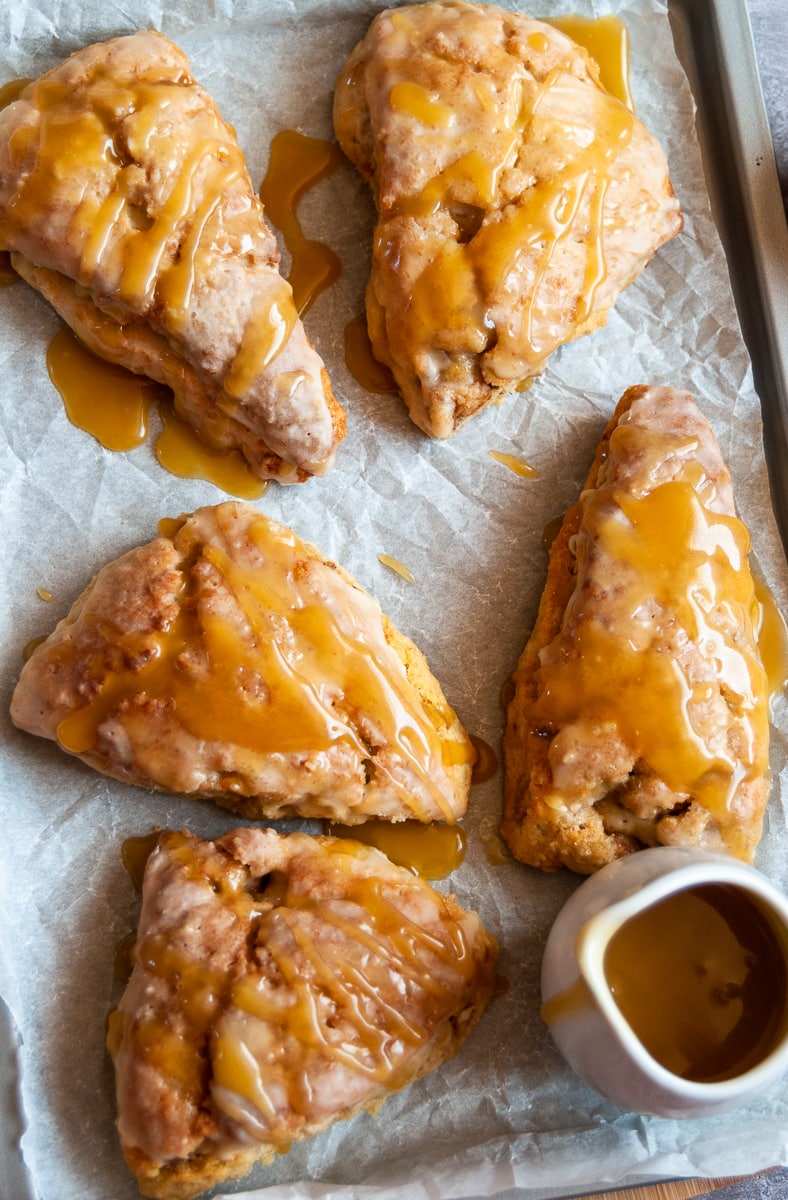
<point>700,978</point>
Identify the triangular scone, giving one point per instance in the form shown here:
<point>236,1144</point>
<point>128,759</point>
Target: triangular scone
<point>516,198</point>
<point>640,714</point>
<point>126,201</point>
<point>228,659</point>
<point>280,983</point>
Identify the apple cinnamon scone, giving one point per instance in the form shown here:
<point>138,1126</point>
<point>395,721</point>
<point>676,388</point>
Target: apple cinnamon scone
<point>228,659</point>
<point>516,198</point>
<point>280,983</point>
<point>640,714</point>
<point>125,200</point>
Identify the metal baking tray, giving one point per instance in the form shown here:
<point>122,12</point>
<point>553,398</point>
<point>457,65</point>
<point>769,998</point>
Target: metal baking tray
<point>714,42</point>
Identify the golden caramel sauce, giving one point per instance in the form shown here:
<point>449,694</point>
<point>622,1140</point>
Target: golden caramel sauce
<point>104,400</point>
<point>486,765</point>
<point>45,595</point>
<point>772,639</point>
<point>515,464</point>
<point>123,962</point>
<point>114,406</point>
<point>278,690</point>
<point>11,90</point>
<point>680,557</point>
<point>572,1000</point>
<point>8,275</point>
<point>135,853</point>
<point>296,164</point>
<point>181,451</point>
<point>700,978</point>
<point>395,565</point>
<point>355,953</point>
<point>551,531</point>
<point>361,362</point>
<point>607,41</point>
<point>32,645</point>
<point>433,850</point>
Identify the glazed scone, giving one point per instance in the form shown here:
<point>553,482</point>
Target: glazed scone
<point>640,714</point>
<point>516,198</point>
<point>280,983</point>
<point>126,201</point>
<point>228,659</point>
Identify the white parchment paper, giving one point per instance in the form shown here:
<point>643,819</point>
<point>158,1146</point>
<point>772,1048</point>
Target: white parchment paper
<point>507,1115</point>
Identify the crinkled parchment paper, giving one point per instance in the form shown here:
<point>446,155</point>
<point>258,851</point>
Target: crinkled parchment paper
<point>506,1113</point>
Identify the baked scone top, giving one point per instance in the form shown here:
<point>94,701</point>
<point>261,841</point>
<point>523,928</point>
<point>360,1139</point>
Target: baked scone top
<point>516,198</point>
<point>641,712</point>
<point>280,983</point>
<point>228,659</point>
<point>118,173</point>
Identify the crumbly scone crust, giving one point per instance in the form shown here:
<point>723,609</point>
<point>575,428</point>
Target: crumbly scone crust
<point>235,914</point>
<point>636,809</point>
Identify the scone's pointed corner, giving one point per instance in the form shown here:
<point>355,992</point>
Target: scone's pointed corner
<point>640,713</point>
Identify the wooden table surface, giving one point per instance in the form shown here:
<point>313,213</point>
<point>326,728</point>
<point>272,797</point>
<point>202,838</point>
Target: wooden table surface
<point>769,20</point>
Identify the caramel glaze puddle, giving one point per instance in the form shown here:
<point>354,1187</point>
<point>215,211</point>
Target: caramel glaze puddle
<point>433,850</point>
<point>607,41</point>
<point>772,639</point>
<point>297,163</point>
<point>486,764</point>
<point>122,421</point>
<point>180,451</point>
<point>372,375</point>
